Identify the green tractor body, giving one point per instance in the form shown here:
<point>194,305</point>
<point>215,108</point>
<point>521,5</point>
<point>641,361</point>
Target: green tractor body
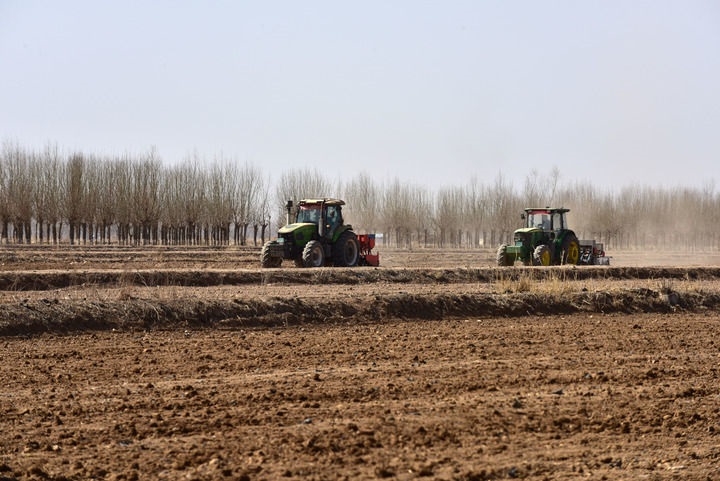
<point>545,240</point>
<point>317,237</point>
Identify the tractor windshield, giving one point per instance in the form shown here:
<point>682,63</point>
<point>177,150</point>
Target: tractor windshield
<point>309,213</point>
<point>539,219</point>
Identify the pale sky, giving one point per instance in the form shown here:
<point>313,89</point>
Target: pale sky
<point>432,92</point>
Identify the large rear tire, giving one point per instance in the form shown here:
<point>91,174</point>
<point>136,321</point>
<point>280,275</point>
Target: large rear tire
<point>570,250</point>
<point>346,250</point>
<point>267,260</point>
<point>542,255</point>
<point>502,257</point>
<point>313,254</point>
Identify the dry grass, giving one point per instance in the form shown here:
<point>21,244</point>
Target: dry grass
<point>526,281</point>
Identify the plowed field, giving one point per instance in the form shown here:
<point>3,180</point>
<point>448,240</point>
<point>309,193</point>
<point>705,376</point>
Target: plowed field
<point>150,363</point>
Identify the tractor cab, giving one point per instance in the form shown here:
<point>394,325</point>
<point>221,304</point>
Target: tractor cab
<point>548,220</point>
<point>325,215</point>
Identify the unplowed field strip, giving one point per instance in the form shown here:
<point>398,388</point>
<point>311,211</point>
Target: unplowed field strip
<point>288,297</point>
<point>76,288</point>
<point>56,279</point>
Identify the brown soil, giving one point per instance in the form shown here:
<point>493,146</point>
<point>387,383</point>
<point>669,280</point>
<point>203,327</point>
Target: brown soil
<point>123,363</point>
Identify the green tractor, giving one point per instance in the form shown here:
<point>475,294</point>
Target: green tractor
<point>545,240</point>
<point>317,237</point>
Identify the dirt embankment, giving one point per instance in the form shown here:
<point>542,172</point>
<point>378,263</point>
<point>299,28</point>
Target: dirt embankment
<point>36,302</point>
<point>57,279</point>
<point>72,289</point>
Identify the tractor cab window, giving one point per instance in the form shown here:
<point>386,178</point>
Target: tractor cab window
<point>334,218</point>
<point>309,213</point>
<point>558,221</point>
<point>540,220</point>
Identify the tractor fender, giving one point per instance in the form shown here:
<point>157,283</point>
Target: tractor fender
<point>339,231</point>
<point>560,238</point>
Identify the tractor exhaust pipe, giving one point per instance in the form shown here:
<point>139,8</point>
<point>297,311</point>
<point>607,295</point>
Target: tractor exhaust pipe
<point>289,207</point>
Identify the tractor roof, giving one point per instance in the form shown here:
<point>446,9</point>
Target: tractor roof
<point>560,210</point>
<point>325,201</point>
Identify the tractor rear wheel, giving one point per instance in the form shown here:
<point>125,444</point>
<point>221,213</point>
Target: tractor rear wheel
<point>502,257</point>
<point>268,260</point>
<point>313,254</point>
<point>570,250</point>
<point>542,255</point>
<point>346,250</point>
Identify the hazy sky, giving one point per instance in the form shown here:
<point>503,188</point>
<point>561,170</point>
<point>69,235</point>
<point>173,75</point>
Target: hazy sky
<point>430,92</point>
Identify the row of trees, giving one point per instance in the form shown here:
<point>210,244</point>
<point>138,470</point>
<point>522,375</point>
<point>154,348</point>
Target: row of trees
<point>50,197</point>
<point>486,214</point>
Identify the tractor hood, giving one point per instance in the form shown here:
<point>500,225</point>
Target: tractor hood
<point>295,226</point>
<point>528,230</point>
<point>299,232</point>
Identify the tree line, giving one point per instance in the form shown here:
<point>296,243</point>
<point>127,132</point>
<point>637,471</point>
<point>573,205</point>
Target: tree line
<point>51,197</point>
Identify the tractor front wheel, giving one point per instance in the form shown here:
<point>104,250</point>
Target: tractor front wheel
<point>502,257</point>
<point>346,250</point>
<point>313,255</point>
<point>570,250</point>
<point>542,255</point>
<point>267,259</point>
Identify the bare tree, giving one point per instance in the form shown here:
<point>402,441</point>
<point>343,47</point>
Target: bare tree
<point>222,191</point>
<point>397,210</point>
<point>124,204</point>
<point>146,181</point>
<point>362,195</point>
<point>449,205</point>
<point>5,212</point>
<point>423,213</point>
<point>541,188</point>
<point>250,184</point>
<point>74,190</point>
<point>20,188</point>
<point>107,201</point>
<point>191,196</point>
<point>49,175</point>
<point>264,209</point>
<point>476,211</point>
<point>503,210</point>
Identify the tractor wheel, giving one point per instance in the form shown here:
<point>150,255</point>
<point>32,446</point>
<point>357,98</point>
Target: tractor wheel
<point>570,250</point>
<point>313,255</point>
<point>542,255</point>
<point>502,257</point>
<point>346,250</point>
<point>267,259</point>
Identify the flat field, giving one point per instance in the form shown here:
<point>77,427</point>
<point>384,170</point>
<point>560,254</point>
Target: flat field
<point>193,363</point>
